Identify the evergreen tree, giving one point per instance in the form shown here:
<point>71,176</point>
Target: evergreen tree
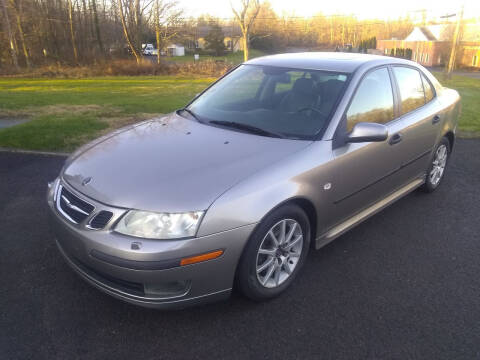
<point>214,40</point>
<point>408,54</point>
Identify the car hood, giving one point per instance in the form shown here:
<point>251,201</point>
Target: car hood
<point>171,164</point>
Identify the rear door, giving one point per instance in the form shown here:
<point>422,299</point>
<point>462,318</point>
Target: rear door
<point>418,122</point>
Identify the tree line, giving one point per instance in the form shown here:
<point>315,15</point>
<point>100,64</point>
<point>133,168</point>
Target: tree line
<point>82,32</point>
<point>37,32</point>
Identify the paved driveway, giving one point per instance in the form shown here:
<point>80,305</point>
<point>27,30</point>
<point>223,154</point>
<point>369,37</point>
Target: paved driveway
<point>403,285</point>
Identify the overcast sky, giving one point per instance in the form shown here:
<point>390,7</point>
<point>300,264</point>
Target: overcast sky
<point>363,9</point>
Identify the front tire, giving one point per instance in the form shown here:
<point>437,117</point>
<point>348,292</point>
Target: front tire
<point>437,167</point>
<point>275,253</point>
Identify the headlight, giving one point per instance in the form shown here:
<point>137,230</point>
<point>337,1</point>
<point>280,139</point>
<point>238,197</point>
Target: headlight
<point>52,190</point>
<point>159,225</point>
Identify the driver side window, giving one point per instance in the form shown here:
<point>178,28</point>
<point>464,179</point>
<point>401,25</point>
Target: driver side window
<point>373,100</point>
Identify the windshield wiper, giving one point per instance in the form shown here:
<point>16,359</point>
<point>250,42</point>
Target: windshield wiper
<point>247,128</point>
<point>195,116</point>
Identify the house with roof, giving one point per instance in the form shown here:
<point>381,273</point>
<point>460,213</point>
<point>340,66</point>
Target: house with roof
<point>431,44</point>
<point>232,37</point>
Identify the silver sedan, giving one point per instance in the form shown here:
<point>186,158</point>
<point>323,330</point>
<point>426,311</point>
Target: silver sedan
<point>282,154</point>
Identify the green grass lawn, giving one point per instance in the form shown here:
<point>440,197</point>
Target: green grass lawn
<point>469,89</point>
<point>69,112</point>
<point>155,94</point>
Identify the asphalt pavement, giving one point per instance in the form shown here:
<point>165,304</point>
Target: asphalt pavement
<point>405,284</point>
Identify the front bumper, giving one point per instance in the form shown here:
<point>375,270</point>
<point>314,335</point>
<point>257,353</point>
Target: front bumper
<point>108,261</point>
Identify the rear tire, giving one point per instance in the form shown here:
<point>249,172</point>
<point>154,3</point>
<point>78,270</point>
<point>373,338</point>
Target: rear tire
<point>438,165</point>
<point>275,253</point>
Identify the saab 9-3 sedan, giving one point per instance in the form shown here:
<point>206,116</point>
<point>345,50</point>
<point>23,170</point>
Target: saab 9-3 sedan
<point>282,154</point>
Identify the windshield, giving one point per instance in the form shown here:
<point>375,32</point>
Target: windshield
<point>281,102</point>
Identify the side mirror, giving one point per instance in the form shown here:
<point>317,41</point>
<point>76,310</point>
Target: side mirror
<point>366,132</point>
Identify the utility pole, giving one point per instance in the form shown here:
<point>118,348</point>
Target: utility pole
<point>9,34</point>
<point>455,41</point>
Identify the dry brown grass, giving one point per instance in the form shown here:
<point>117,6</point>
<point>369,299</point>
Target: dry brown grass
<point>124,68</point>
<point>118,121</point>
<point>53,110</point>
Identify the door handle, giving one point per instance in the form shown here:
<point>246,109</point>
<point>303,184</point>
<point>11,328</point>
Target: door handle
<point>395,139</point>
<point>435,119</point>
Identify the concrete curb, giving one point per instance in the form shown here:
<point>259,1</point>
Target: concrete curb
<point>34,152</point>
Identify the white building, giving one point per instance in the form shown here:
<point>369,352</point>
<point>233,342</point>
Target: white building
<point>175,50</point>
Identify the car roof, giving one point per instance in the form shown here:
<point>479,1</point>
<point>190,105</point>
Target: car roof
<point>328,61</point>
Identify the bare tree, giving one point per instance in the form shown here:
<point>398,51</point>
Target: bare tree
<point>52,31</point>
<point>72,30</point>
<point>10,35</point>
<point>126,32</point>
<point>97,25</point>
<point>18,19</point>
<point>245,16</point>
<point>166,15</point>
<point>157,29</point>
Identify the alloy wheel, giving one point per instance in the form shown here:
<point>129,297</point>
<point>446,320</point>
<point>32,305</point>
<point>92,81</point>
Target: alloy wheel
<point>279,253</point>
<point>439,163</point>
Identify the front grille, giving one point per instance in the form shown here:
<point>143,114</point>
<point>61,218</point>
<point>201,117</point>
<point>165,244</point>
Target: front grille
<point>72,207</point>
<point>100,220</point>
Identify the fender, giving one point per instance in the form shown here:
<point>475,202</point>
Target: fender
<point>301,175</point>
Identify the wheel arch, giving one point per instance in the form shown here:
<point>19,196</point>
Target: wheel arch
<point>307,206</point>
<point>451,138</point>
<point>311,212</point>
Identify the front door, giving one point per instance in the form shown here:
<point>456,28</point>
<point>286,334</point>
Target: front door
<point>363,171</point>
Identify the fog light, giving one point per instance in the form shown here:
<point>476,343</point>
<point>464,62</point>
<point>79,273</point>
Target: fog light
<point>168,289</point>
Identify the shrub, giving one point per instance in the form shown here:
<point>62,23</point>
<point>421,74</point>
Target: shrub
<point>126,67</point>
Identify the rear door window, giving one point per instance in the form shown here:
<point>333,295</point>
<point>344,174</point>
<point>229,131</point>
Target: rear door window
<point>410,84</point>
<point>429,94</point>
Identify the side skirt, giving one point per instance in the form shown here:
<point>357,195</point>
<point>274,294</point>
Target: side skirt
<point>348,224</point>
